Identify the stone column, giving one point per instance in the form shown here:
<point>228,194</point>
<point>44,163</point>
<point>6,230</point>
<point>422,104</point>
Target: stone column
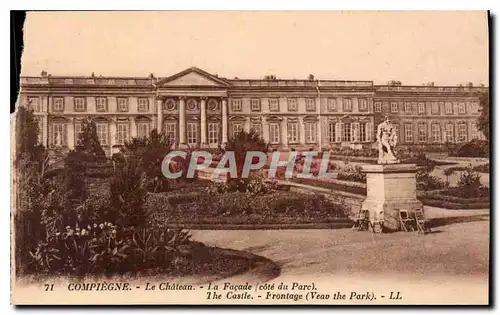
<point>159,111</point>
<point>203,123</point>
<point>112,136</point>
<point>265,129</point>
<point>302,131</point>
<point>182,120</point>
<point>133,128</point>
<point>284,132</point>
<point>70,134</point>
<point>246,125</point>
<point>224,121</point>
<point>320,133</point>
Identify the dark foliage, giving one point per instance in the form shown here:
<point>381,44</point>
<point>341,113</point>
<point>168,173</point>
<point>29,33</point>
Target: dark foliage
<point>483,122</point>
<point>474,148</point>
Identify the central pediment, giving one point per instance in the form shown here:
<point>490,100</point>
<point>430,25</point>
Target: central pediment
<point>193,77</point>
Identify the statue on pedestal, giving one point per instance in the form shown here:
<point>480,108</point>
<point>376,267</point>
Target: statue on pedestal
<point>386,140</point>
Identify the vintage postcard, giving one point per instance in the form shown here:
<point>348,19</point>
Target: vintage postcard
<point>252,158</point>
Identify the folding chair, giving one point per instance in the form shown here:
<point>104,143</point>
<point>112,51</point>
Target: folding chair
<point>407,223</point>
<point>362,223</point>
<point>421,222</point>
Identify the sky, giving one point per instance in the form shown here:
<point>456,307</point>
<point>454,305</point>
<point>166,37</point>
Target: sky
<point>413,47</point>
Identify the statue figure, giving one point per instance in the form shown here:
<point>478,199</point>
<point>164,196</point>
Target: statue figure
<point>386,140</point>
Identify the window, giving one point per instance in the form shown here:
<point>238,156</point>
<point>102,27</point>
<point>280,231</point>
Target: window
<point>363,104</point>
<point>435,108</point>
<point>192,133</point>
<point>394,107</point>
<point>255,105</point>
<point>421,108</point>
<point>362,132</point>
<point>102,133</point>
<point>407,107</point>
<point>34,103</point>
<point>436,132</point>
<point>310,105</point>
<point>143,129</point>
<point>311,132</point>
<point>474,132</point>
<point>462,132</point>
<point>236,105</point>
<point>171,130</point>
<point>346,132</point>
<point>256,126</point>
<point>475,107</point>
<point>78,130</point>
<point>331,105</point>
<point>213,133</point>
<point>378,107</point>
<point>422,133</point>
<point>293,132</point>
<point>101,104</point>
<point>461,108</point>
<point>332,132</point>
<point>448,108</point>
<point>347,104</point>
<point>449,132</point>
<point>274,105</point>
<point>274,133</point>
<point>237,127</point>
<point>121,133</point>
<point>408,133</point>
<point>142,104</point>
<point>292,105</point>
<point>59,134</point>
<point>58,104</point>
<point>122,104</point>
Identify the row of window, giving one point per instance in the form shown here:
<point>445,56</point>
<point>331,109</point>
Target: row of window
<point>438,133</point>
<point>334,104</point>
<point>80,104</point>
<point>59,132</point>
<point>337,132</point>
<point>421,107</point>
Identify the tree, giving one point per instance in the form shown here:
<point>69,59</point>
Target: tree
<point>88,141</point>
<point>483,122</point>
<point>149,153</point>
<point>241,143</point>
<point>31,160</point>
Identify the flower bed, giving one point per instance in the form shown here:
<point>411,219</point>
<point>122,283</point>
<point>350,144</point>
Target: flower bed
<point>243,208</point>
<point>483,168</point>
<point>449,198</point>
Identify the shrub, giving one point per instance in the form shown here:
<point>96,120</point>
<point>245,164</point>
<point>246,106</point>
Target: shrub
<point>474,148</point>
<point>425,181</point>
<point>100,248</point>
<point>128,194</point>
<point>470,183</point>
<point>352,173</point>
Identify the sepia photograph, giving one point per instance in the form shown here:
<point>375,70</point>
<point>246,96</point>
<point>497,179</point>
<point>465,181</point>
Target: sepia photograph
<point>252,158</point>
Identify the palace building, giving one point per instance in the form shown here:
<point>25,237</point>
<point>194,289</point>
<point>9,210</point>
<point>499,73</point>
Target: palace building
<point>199,109</point>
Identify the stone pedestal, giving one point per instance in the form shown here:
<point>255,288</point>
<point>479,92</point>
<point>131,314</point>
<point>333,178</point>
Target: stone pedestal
<point>390,187</point>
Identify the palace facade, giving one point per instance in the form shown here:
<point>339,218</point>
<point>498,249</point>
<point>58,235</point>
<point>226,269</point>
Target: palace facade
<point>199,109</point>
